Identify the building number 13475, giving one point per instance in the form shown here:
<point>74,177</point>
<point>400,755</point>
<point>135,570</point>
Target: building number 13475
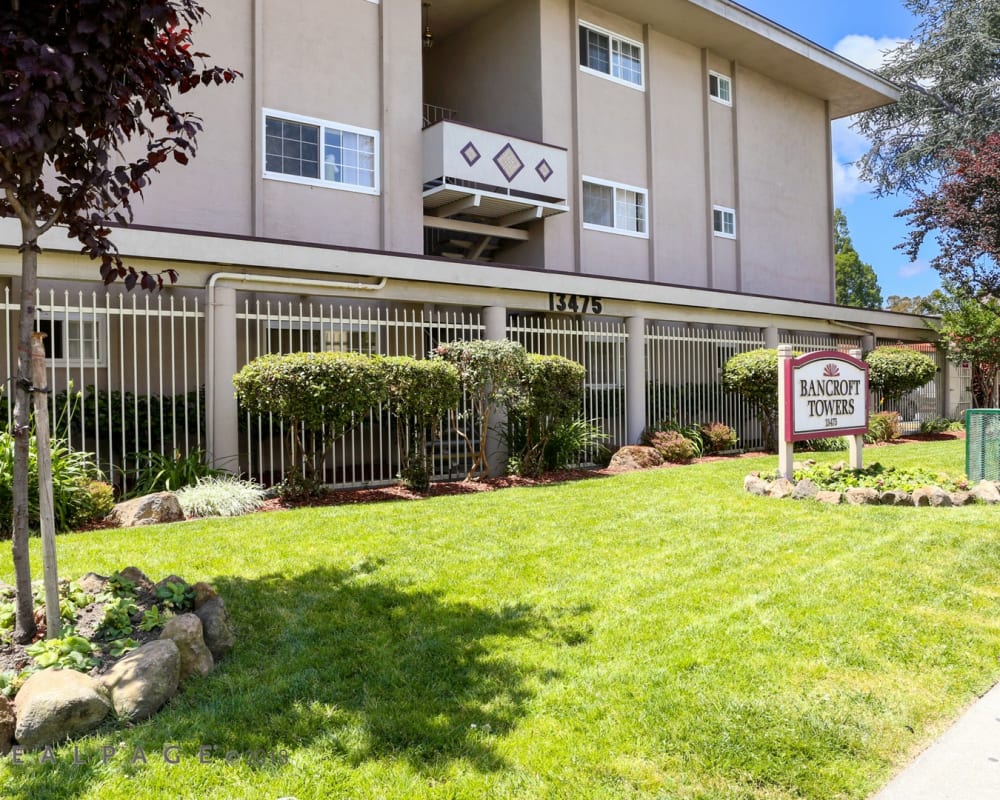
<point>575,303</point>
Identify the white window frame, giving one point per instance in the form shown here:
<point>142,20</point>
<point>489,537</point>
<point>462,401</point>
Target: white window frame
<point>67,320</point>
<point>336,337</point>
<point>612,38</point>
<point>615,189</point>
<point>724,210</point>
<point>324,126</point>
<point>720,79</point>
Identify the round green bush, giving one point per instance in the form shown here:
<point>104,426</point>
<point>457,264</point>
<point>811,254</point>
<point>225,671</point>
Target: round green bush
<point>894,371</point>
<point>754,376</point>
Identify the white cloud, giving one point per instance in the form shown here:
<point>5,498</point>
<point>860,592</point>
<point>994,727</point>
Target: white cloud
<point>914,268</point>
<point>867,51</point>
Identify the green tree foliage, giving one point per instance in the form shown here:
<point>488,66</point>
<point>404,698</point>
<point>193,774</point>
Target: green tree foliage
<point>912,305</point>
<point>754,376</point>
<point>964,210</point>
<point>87,118</point>
<point>857,283</point>
<point>420,394</point>
<point>894,371</point>
<point>550,400</point>
<point>319,397</point>
<point>969,328</point>
<point>490,373</point>
<point>949,76</point>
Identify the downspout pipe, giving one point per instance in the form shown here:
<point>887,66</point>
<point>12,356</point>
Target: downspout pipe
<point>245,280</point>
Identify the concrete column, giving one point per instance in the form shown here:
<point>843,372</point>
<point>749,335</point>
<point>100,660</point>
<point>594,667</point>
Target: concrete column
<point>495,329</point>
<point>635,377</point>
<point>786,450</point>
<point>221,417</point>
<point>771,337</point>
<point>868,342</point>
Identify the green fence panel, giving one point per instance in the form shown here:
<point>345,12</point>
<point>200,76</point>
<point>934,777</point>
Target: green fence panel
<point>982,444</point>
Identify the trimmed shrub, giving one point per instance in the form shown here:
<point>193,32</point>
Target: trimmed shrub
<point>936,425</point>
<point>156,472</point>
<point>894,371</point>
<point>690,432</point>
<point>551,398</point>
<point>754,376</point>
<point>673,446</point>
<point>319,396</point>
<point>420,393</point>
<point>718,437</point>
<point>490,372</point>
<point>883,427</point>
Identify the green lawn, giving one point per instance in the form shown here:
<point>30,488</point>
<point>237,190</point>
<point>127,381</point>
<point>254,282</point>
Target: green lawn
<point>657,634</point>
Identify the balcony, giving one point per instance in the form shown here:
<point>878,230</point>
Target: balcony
<point>488,184</point>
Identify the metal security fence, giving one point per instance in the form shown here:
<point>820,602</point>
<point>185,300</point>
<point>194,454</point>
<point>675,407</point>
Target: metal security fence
<point>125,373</point>
<point>922,404</point>
<point>598,344</point>
<point>370,453</point>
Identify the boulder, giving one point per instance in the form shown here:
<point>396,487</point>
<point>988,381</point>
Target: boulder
<point>152,509</point>
<point>895,497</point>
<point>805,490</point>
<point>986,492</point>
<point>203,592</point>
<point>961,498</point>
<point>635,456</point>
<point>833,498</point>
<point>217,630</point>
<point>754,484</point>
<point>7,724</point>
<point>781,488</point>
<point>862,496</point>
<point>57,704</point>
<point>138,577</point>
<point>92,583</point>
<point>144,680</point>
<point>186,632</point>
<point>931,496</point>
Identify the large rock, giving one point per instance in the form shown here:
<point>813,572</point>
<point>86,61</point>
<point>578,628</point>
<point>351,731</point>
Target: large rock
<point>151,509</point>
<point>781,488</point>
<point>862,496</point>
<point>754,484</point>
<point>961,498</point>
<point>895,497</point>
<point>203,592</point>
<point>805,490</point>
<point>986,492</point>
<point>931,496</point>
<point>833,498</point>
<point>138,577</point>
<point>217,630</point>
<point>635,456</point>
<point>144,680</point>
<point>92,583</point>
<point>57,704</point>
<point>7,724</point>
<point>186,632</point>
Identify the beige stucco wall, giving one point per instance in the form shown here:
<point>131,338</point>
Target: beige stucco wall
<point>785,217</point>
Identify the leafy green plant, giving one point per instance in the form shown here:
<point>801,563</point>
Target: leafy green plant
<point>157,472</point>
<point>883,427</point>
<point>117,619</point>
<point>120,586</point>
<point>220,496</point>
<point>176,595</point>
<point>420,393</point>
<point>319,396</point>
<point>717,437</point>
<point>154,618</point>
<point>831,444</point>
<point>6,616</point>
<point>72,598</point>
<point>551,397</point>
<point>894,371</point>
<point>120,647</point>
<point>936,425</point>
<point>11,681</point>
<point>673,446</point>
<point>575,442</point>
<point>70,652</point>
<point>876,476</point>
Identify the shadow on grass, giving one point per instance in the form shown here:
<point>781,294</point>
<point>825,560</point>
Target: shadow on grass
<point>344,663</point>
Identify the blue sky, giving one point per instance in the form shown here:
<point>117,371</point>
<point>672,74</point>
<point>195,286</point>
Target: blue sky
<point>860,30</point>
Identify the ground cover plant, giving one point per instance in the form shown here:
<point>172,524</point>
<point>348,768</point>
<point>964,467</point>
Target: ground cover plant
<point>653,634</point>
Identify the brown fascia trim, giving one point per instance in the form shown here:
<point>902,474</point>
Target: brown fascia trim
<point>439,259</point>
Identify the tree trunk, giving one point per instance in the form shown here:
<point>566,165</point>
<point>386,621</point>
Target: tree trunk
<point>46,514</point>
<point>24,622</point>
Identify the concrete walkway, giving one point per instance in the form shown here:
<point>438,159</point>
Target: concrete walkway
<point>964,764</point>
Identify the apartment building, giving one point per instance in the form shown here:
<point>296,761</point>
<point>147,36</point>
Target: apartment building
<point>644,185</point>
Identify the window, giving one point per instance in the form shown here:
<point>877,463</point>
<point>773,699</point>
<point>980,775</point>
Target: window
<point>77,341</point>
<point>614,207</point>
<point>720,88</point>
<point>349,338</point>
<point>318,153</point>
<point>724,222</point>
<point>610,56</point>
